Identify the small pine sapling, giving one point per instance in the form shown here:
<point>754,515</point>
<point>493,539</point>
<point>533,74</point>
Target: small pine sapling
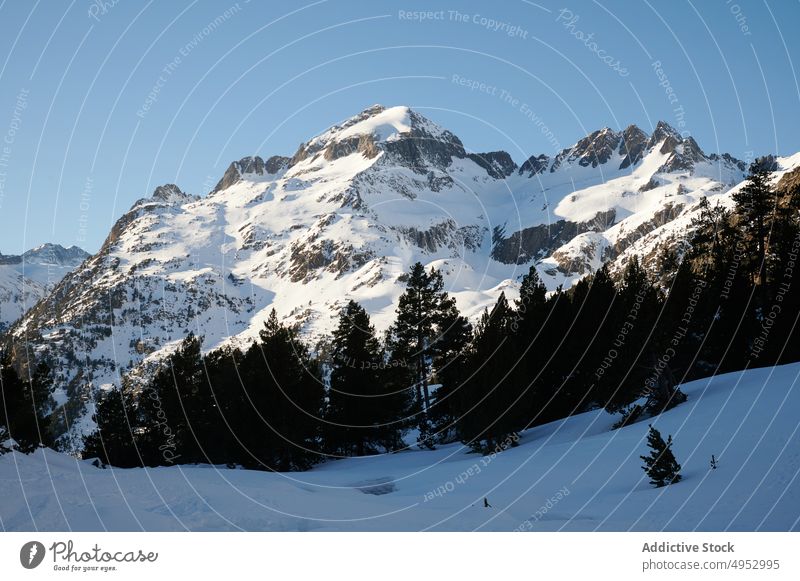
<point>661,465</point>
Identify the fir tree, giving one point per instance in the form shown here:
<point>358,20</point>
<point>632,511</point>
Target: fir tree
<point>363,416</point>
<point>113,440</point>
<point>168,405</point>
<point>25,405</point>
<point>661,465</point>
<point>450,368</point>
<point>756,204</point>
<point>282,401</point>
<point>411,339</point>
<point>488,400</point>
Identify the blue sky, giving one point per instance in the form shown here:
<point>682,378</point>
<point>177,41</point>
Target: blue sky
<point>101,101</point>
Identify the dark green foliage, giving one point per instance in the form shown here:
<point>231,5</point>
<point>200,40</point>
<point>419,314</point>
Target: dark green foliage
<point>756,208</point>
<point>25,405</point>
<point>661,465</point>
<point>363,416</point>
<point>450,369</point>
<point>280,401</point>
<point>487,402</point>
<point>113,441</point>
<point>168,406</point>
<point>422,314</point>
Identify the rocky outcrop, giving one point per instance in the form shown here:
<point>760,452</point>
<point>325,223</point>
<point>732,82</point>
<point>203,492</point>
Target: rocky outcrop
<point>498,164</point>
<point>632,146</point>
<point>446,234</point>
<point>789,182</point>
<point>593,150</point>
<point>250,165</point>
<point>539,241</point>
<point>363,144</point>
<point>535,164</point>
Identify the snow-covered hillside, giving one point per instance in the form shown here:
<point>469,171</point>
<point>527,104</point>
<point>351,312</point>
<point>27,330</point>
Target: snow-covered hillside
<point>575,474</point>
<point>26,278</point>
<point>345,217</point>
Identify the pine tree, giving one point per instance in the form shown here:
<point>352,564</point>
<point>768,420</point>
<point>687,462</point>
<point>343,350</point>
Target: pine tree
<point>220,426</point>
<point>168,406</point>
<point>25,405</point>
<point>589,370</point>
<point>282,400</point>
<point>363,415</point>
<point>661,465</point>
<point>634,338</point>
<point>756,204</point>
<point>113,440</point>
<point>488,400</point>
<point>411,339</point>
<point>450,368</point>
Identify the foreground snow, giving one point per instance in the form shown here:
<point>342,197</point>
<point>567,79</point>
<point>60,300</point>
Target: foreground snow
<point>575,474</point>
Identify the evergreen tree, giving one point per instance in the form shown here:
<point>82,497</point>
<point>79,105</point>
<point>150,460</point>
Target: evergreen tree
<point>168,405</point>
<point>635,338</point>
<point>488,400</point>
<point>221,425</point>
<point>25,405</point>
<point>589,366</point>
<point>661,465</point>
<point>756,204</point>
<point>450,369</point>
<point>282,401</point>
<point>113,440</point>
<point>363,415</point>
<point>539,343</point>
<point>411,339</point>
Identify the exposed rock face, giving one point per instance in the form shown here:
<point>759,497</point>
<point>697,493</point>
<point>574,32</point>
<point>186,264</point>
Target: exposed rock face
<point>168,193</point>
<point>665,133</point>
<point>539,241</point>
<point>632,146</point>
<point>790,182</point>
<point>535,164</point>
<point>421,150</point>
<point>599,148</point>
<point>250,165</point>
<point>363,144</point>
<point>726,158</point>
<point>498,164</point>
<point>445,235</point>
<point>593,150</point>
<point>276,163</point>
<point>660,218</point>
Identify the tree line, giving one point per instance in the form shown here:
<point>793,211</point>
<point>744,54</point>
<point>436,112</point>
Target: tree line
<point>724,300</point>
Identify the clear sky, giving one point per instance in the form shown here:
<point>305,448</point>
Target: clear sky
<point>103,100</point>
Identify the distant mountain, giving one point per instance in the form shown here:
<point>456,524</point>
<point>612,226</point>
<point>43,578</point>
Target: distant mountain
<point>26,278</point>
<point>345,217</point>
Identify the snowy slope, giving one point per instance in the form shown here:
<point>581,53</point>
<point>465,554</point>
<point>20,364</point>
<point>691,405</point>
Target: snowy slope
<point>26,278</point>
<point>345,217</point>
<point>575,474</point>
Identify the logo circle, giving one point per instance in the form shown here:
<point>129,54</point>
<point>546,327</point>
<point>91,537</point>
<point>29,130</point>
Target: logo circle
<point>31,554</point>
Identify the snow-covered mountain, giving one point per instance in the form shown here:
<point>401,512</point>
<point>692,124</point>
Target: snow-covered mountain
<point>26,278</point>
<point>345,217</point>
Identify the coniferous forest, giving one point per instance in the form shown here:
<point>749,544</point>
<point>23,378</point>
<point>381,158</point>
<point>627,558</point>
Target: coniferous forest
<point>724,300</point>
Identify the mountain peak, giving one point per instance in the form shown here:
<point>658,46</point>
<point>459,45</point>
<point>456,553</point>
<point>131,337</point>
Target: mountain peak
<point>594,149</point>
<point>49,253</point>
<point>167,193</point>
<point>406,136</point>
<point>666,134</point>
<point>250,165</point>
